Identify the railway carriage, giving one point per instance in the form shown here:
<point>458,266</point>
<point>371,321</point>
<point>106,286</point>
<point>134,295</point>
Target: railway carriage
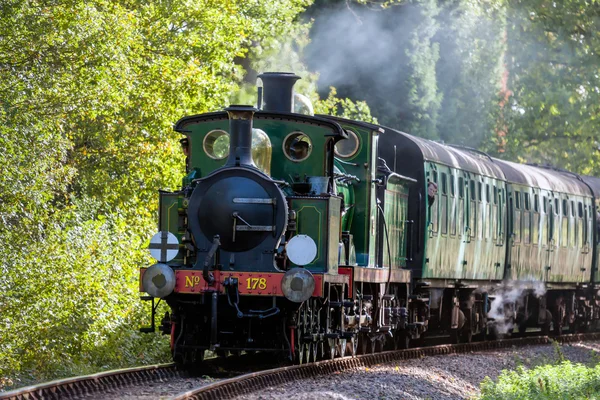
<point>316,236</point>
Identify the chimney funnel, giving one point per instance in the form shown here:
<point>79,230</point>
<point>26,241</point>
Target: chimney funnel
<point>240,135</point>
<point>278,91</point>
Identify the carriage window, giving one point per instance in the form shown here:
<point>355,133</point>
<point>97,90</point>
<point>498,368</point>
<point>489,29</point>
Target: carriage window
<point>516,220</point>
<point>536,203</point>
<point>580,209</point>
<point>526,227</point>
<point>564,225</point>
<point>585,226</point>
<point>444,184</point>
<point>535,228</point>
<point>495,195</point>
<point>487,192</point>
<point>444,204</point>
<point>472,188</point>
<point>452,190</point>
<point>556,207</point>
<point>572,208</point>
<point>473,209</point>
<point>526,197</point>
<point>479,191</point>
<point>592,224</point>
<point>518,200</point>
<point>461,188</point>
<point>545,205</point>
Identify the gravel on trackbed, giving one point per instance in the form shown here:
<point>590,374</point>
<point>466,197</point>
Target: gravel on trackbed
<point>446,377</point>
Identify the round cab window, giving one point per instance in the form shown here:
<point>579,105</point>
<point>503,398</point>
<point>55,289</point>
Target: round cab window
<point>216,144</point>
<point>347,147</point>
<point>297,146</point>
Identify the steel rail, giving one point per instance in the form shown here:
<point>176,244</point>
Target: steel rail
<point>80,386</point>
<point>255,381</point>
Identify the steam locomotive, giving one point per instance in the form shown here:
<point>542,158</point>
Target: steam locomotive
<point>314,236</point>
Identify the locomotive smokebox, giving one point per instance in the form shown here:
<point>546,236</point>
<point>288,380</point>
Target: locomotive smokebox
<point>277,91</point>
<point>240,131</point>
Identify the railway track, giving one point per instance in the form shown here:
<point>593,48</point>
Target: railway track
<point>243,384</point>
<point>87,386</point>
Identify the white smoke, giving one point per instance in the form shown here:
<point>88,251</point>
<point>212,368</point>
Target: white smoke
<point>508,299</point>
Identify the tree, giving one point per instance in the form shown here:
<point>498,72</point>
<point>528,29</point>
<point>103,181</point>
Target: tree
<point>469,70</point>
<point>553,74</point>
<point>89,92</point>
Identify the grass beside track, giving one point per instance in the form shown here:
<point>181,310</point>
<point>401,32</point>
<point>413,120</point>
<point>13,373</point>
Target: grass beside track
<point>561,380</point>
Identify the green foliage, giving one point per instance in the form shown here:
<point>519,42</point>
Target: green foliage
<point>469,70</point>
<point>560,381</point>
<point>553,60</point>
<point>88,94</point>
<point>345,108</point>
<point>516,78</point>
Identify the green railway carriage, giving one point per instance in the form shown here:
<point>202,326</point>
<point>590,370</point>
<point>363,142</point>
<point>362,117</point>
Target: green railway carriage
<point>594,185</point>
<point>461,232</point>
<point>550,224</point>
<point>458,242</point>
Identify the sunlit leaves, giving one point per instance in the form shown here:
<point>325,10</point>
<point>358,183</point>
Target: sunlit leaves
<point>553,56</point>
<point>89,91</point>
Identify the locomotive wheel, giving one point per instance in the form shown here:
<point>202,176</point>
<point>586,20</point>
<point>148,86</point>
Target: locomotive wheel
<point>308,351</point>
<point>402,341</point>
<point>547,323</point>
<point>467,336</point>
<point>454,336</point>
<point>363,342</point>
<point>373,346</point>
<point>558,329</point>
<point>312,347</point>
<point>342,347</point>
<point>353,343</point>
<point>221,353</point>
<point>301,353</point>
<point>332,345</point>
<point>322,349</point>
<point>522,328</point>
<point>546,328</point>
<point>189,359</point>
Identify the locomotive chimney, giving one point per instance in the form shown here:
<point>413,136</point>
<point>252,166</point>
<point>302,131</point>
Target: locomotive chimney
<point>277,91</point>
<point>240,133</point>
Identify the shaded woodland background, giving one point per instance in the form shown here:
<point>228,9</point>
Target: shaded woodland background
<point>89,91</point>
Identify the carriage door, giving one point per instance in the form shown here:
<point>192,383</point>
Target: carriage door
<point>550,239</point>
<point>465,207</point>
<point>587,242</point>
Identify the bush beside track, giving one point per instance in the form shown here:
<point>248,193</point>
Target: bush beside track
<point>561,380</point>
